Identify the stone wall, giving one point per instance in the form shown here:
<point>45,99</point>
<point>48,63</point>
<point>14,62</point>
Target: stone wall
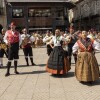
<point>86,12</point>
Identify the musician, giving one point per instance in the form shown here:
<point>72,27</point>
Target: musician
<point>6,47</point>
<point>46,40</point>
<point>92,34</point>
<point>1,51</point>
<point>13,39</point>
<point>27,49</point>
<point>72,40</point>
<point>64,43</point>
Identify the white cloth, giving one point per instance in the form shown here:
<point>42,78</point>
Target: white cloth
<point>91,36</point>
<point>47,39</point>
<point>56,41</point>
<point>6,41</point>
<point>95,45</point>
<point>31,38</point>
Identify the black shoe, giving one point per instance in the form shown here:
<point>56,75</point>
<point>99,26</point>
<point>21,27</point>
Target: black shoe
<point>33,64</point>
<point>7,74</point>
<point>16,72</point>
<point>27,64</point>
<point>1,65</point>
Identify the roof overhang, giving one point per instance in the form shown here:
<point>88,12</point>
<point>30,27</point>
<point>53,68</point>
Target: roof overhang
<point>38,0</point>
<point>66,3</point>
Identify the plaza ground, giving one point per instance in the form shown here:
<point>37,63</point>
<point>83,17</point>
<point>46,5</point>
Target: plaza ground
<point>34,83</point>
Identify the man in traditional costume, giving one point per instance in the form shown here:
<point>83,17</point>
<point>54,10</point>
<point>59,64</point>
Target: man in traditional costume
<point>86,69</point>
<point>5,47</point>
<point>72,39</point>
<point>27,40</point>
<point>13,39</point>
<point>92,34</point>
<point>2,51</point>
<point>46,40</point>
<point>57,62</point>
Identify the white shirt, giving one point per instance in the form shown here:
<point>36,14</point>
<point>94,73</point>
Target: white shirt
<point>6,41</point>
<point>95,45</point>
<point>57,42</point>
<point>91,36</point>
<point>31,38</point>
<point>47,39</point>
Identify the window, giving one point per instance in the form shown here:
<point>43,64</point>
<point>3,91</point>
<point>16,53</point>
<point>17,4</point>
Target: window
<point>17,13</point>
<point>35,12</point>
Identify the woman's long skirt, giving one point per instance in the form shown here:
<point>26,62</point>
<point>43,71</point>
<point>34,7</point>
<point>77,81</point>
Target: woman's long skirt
<point>86,67</point>
<point>58,62</point>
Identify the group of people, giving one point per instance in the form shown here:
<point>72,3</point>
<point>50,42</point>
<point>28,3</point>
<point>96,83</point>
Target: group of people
<point>81,45</point>
<point>60,48</point>
<point>13,40</point>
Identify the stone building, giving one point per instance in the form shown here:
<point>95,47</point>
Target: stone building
<point>3,21</point>
<point>39,14</point>
<point>87,15</point>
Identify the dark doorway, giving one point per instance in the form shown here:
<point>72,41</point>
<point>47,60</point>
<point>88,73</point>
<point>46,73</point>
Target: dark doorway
<point>1,27</point>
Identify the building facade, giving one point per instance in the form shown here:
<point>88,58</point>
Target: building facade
<point>39,14</point>
<point>3,21</point>
<point>87,15</point>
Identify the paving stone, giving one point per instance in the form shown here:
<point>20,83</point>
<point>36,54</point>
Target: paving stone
<point>34,83</point>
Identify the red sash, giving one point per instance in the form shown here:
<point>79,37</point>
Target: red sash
<point>83,48</point>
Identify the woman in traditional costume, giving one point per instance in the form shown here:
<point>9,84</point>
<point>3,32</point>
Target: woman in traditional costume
<point>86,69</point>
<point>57,62</point>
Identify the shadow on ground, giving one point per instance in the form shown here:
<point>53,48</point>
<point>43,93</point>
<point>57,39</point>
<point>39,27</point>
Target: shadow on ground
<point>97,82</point>
<point>41,65</point>
<point>34,72</point>
<point>69,74</point>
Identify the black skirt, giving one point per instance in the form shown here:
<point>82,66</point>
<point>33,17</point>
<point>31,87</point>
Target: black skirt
<point>56,59</point>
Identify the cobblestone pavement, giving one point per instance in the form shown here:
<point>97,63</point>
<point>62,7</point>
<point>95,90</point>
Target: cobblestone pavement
<point>34,83</point>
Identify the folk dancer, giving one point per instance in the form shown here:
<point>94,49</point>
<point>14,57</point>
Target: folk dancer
<point>27,49</point>
<point>13,39</point>
<point>86,69</point>
<point>57,62</point>
<point>46,40</point>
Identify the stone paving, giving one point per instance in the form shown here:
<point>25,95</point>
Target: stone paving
<point>34,83</point>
